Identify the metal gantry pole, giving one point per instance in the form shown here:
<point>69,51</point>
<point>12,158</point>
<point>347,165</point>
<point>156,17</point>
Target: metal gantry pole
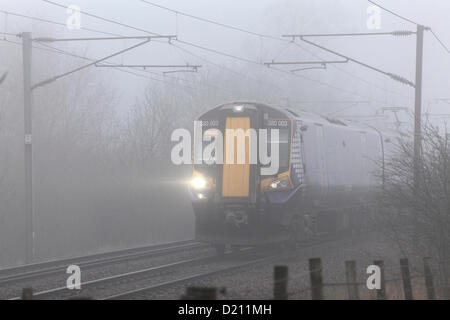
<point>418,126</point>
<point>418,104</point>
<point>28,108</point>
<point>28,152</point>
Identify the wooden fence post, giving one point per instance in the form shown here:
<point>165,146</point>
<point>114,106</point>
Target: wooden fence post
<point>280,282</point>
<point>444,275</point>
<point>27,294</point>
<point>406,277</point>
<point>200,293</point>
<point>352,284</point>
<point>428,279</point>
<point>381,293</point>
<point>315,273</point>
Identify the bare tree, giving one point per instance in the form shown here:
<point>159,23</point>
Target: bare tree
<point>417,212</point>
<point>148,126</point>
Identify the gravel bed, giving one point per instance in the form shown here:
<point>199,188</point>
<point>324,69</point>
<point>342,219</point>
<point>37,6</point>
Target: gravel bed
<point>253,282</point>
<point>155,277</point>
<point>92,273</point>
<point>257,282</point>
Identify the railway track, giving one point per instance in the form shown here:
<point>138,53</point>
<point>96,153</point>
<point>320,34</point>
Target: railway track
<point>137,284</point>
<point>100,288</point>
<point>141,292</point>
<point>39,270</point>
<point>260,258</point>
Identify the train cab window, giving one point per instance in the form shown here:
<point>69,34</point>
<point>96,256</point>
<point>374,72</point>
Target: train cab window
<point>284,147</point>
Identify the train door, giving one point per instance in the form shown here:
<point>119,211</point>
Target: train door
<point>236,176</point>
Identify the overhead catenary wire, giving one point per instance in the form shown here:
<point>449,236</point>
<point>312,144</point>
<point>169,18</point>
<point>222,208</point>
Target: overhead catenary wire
<point>261,36</point>
<point>440,41</point>
<point>103,19</point>
<point>54,22</point>
<point>400,33</point>
<point>118,35</point>
<point>353,105</point>
<point>50,49</point>
<point>394,13</point>
<point>219,52</point>
<point>355,93</point>
<point>213,86</point>
<point>272,68</point>
<point>230,70</point>
<point>201,47</point>
<point>66,53</point>
<point>3,76</point>
<point>389,74</point>
<point>322,67</point>
<point>54,78</point>
<point>57,50</point>
<point>413,22</point>
<point>143,30</point>
<point>274,63</point>
<point>92,30</point>
<point>121,24</point>
<point>226,54</point>
<point>10,34</point>
<point>115,35</point>
<point>221,66</point>
<point>153,66</point>
<point>369,83</point>
<point>49,39</point>
<point>213,22</point>
<point>209,49</point>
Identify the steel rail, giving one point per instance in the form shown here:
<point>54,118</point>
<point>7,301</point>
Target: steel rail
<point>63,292</point>
<point>33,271</point>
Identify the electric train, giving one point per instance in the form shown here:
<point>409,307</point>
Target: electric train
<point>325,180</point>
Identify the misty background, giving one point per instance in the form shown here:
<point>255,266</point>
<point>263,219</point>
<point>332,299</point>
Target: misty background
<point>103,178</point>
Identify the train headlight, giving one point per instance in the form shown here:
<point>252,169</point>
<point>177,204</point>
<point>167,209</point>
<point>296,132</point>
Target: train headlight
<point>199,183</point>
<point>202,184</point>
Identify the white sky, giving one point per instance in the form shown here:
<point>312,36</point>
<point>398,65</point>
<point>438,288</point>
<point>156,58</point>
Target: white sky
<point>273,17</point>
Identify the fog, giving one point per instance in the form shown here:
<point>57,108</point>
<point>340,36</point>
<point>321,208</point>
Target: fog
<point>103,177</point>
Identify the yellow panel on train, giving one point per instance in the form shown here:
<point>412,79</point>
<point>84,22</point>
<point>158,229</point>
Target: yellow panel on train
<point>235,182</point>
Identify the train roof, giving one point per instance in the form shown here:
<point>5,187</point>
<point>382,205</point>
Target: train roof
<point>312,117</point>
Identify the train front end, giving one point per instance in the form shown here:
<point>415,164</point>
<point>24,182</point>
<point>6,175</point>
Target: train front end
<point>242,180</point>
